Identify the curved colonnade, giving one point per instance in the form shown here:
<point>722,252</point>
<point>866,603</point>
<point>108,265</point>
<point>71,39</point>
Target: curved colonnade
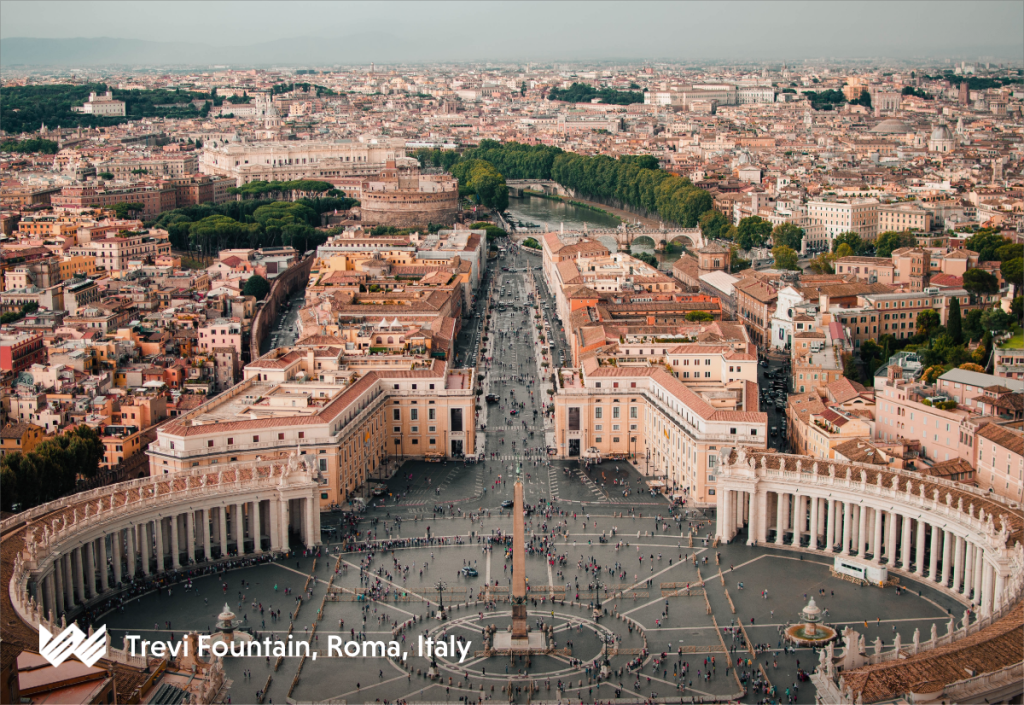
<point>68,554</point>
<point>954,538</point>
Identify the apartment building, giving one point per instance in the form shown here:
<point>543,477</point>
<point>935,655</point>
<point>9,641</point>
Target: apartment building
<point>859,215</point>
<point>830,428</point>
<point>898,311</point>
<point>116,253</point>
<point>868,269</point>
<point>755,304</point>
<point>676,428</point>
<point>346,423</point>
<point>999,460</point>
<point>903,217</point>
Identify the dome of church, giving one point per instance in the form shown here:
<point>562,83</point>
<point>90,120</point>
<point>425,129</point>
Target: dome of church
<point>941,132</point>
<point>891,127</point>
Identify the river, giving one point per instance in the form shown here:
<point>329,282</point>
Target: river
<point>552,215</point>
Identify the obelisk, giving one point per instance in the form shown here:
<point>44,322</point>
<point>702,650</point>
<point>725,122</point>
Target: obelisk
<point>519,630</point>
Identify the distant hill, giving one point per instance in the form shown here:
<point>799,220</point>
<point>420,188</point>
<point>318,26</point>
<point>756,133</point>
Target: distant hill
<point>106,51</point>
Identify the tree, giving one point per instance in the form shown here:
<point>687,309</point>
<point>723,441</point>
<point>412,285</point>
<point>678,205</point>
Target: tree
<point>127,210</point>
<point>1013,271</point>
<point>972,327</point>
<point>822,264</point>
<point>979,281</point>
<point>789,235</point>
<point>737,263</point>
<point>986,242</point>
<point>893,240</point>
<point>1017,307</point>
<point>843,250</point>
<point>711,224</point>
<point>995,320</point>
<point>754,231</point>
<point>699,316</point>
<point>954,323</point>
<point>972,367</point>
<point>256,286</point>
<point>927,321</point>
<point>849,238</point>
<point>105,175</point>
<point>1014,250</point>
<point>785,258</point>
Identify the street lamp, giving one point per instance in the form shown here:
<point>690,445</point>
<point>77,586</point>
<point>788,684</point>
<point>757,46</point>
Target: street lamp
<point>441,586</point>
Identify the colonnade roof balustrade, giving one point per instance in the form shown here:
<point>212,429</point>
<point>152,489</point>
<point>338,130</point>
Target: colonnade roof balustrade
<point>1003,517</point>
<point>33,538</point>
<point>983,657</point>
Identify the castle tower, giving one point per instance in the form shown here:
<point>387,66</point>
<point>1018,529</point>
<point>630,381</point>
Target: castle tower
<point>964,98</point>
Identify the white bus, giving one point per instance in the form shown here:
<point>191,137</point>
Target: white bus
<point>868,572</point>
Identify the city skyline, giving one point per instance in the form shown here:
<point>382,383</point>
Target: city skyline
<point>355,33</point>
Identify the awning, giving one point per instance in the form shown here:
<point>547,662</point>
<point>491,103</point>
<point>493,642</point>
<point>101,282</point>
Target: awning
<point>656,483</point>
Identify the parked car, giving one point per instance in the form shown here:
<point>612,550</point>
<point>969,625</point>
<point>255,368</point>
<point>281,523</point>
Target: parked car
<point>469,572</point>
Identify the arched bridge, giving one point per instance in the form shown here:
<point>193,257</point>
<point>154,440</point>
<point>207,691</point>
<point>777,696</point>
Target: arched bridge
<point>689,237</point>
<point>552,188</point>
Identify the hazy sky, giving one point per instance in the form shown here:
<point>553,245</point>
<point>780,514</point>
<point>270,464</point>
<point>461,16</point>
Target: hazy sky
<point>758,30</point>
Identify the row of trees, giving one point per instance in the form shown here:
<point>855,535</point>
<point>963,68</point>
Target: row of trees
<point>480,179</point>
<point>35,145</point>
<point>209,228</point>
<point>941,348</point>
<point>584,93</point>
<point>752,231</point>
<point>27,108</point>
<point>50,470</point>
<point>282,189</point>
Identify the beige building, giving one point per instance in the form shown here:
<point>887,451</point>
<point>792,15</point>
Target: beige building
<point>904,216</point>
<point>673,429</point>
<point>349,423</point>
<point>104,105</point>
<point>284,161</point>
<point>859,215</point>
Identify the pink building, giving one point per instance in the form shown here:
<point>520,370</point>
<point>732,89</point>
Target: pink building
<point>220,333</point>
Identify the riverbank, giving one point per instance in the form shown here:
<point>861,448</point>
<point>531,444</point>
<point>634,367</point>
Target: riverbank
<point>622,215</point>
<point>578,204</point>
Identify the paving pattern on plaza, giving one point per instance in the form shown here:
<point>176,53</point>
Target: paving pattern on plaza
<point>665,587</point>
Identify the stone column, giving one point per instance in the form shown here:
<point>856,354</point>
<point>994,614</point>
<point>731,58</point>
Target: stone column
<point>815,504</point>
<point>752,524</point>
<point>890,540</point>
<point>876,539</point>
<point>102,560</point>
<point>59,586</point>
<point>799,518</point>
<point>997,590</point>
<point>968,569</point>
<point>847,527</point>
<point>762,517</point>
<point>89,570</point>
<point>158,539</point>
<point>257,527</point>
<point>958,564</point>
<point>116,552</point>
<point>979,575</point>
<point>175,547</point>
<point>830,525</point>
<point>933,562</point>
<point>905,542</point>
<point>312,522</point>
<point>725,520</point>
<point>77,568</point>
<point>947,558</point>
<point>204,524</point>
<point>190,536</point>
<point>919,563</point>
<point>51,594</point>
<point>223,531</point>
<point>986,588</point>
<point>130,533</point>
<point>780,527</point>
<point>861,539</point>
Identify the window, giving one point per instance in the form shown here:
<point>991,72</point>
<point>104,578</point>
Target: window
<point>615,439</point>
<point>209,444</point>
<point>431,414</point>
<point>415,441</point>
<point>280,436</point>
<point>231,442</point>
<point>398,429</point>
<point>255,439</point>
<point>456,420</point>
<point>433,441</point>
<point>431,429</point>
<point>711,491</point>
<point>633,412</point>
<point>414,429</point>
<point>753,432</point>
<point>615,412</point>
<point>599,427</point>
<point>598,439</point>
<point>732,431</point>
<point>414,414</point>
<point>599,412</point>
<point>396,414</point>
<point>574,418</point>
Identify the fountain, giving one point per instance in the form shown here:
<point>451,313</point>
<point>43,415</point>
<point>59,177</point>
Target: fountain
<point>811,632</point>
<point>226,630</point>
